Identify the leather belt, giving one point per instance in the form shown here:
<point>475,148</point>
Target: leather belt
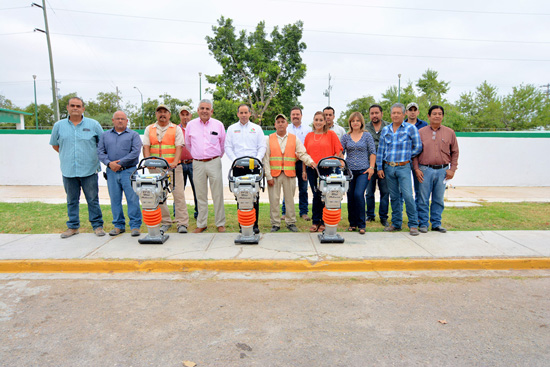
<point>206,160</point>
<point>440,166</point>
<point>186,161</point>
<point>123,168</point>
<point>394,164</point>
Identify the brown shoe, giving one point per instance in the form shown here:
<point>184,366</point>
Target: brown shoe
<point>69,232</point>
<point>199,229</point>
<point>99,232</point>
<point>116,231</point>
<point>306,217</point>
<point>221,229</point>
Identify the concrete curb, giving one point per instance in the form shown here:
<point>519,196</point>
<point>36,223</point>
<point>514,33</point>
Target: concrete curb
<point>169,266</point>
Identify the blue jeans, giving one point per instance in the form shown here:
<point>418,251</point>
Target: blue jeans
<point>433,185</point>
<point>90,188</point>
<point>384,197</point>
<point>187,170</point>
<point>318,205</point>
<point>118,182</point>
<point>356,198</point>
<point>400,184</point>
<point>302,189</point>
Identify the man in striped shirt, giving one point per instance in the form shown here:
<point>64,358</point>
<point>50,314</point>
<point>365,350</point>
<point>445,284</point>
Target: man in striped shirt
<point>399,143</point>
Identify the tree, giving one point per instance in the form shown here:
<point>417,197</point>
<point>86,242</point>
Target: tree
<point>391,96</point>
<point>6,103</point>
<point>258,71</point>
<point>361,105</point>
<point>432,90</point>
<point>483,108</point>
<point>525,108</point>
<point>46,117</point>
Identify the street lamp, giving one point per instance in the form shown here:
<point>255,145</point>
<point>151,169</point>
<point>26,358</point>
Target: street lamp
<point>399,92</point>
<point>200,86</point>
<point>142,115</point>
<point>35,105</point>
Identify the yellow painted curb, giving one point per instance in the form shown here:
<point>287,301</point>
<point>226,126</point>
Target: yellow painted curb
<point>168,266</point>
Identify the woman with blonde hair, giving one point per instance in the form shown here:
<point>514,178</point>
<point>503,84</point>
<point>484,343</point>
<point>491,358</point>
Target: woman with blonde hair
<point>320,143</point>
<point>358,145</point>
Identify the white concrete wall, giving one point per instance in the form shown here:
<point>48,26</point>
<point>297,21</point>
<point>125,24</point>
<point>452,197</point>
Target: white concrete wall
<point>28,159</point>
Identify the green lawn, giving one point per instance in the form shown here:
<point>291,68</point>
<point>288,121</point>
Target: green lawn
<point>38,217</point>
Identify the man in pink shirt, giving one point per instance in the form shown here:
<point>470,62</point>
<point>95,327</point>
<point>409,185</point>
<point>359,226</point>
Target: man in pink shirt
<point>205,139</point>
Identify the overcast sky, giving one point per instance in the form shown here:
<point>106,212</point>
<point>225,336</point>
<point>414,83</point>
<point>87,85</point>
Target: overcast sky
<point>159,46</point>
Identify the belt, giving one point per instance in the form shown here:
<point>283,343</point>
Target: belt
<point>186,161</point>
<point>393,164</point>
<point>123,168</point>
<point>440,166</point>
<point>206,160</point>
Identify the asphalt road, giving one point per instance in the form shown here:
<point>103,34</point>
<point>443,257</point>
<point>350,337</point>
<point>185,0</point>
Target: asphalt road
<point>307,322</point>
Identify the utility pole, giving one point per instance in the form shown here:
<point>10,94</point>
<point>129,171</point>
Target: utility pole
<point>547,86</point>
<point>327,92</point>
<point>200,86</point>
<point>35,105</point>
<point>47,32</point>
<point>117,99</point>
<point>399,91</point>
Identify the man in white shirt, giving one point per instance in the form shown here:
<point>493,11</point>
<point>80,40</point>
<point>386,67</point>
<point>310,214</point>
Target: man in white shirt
<point>329,117</point>
<point>245,138</point>
<point>300,130</point>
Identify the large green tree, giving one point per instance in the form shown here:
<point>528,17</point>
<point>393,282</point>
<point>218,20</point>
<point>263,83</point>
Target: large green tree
<point>431,89</point>
<point>361,105</point>
<point>483,109</point>
<point>264,72</point>
<point>525,108</point>
<point>45,116</point>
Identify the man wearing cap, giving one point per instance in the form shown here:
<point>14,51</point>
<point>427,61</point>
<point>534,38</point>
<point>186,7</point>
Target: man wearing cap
<point>412,118</point>
<point>374,127</point>
<point>186,158</point>
<point>437,162</point>
<point>329,114</point>
<point>119,150</point>
<point>283,150</point>
<point>165,140</point>
<point>300,130</point>
<point>205,138</point>
<point>75,138</point>
<point>399,143</point>
<point>245,138</point>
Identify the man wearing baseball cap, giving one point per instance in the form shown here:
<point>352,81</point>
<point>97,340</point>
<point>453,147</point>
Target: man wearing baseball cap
<point>186,160</point>
<point>412,118</point>
<point>283,150</point>
<point>165,140</point>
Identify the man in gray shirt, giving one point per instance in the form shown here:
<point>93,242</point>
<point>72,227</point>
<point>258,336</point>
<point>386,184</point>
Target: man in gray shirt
<point>374,127</point>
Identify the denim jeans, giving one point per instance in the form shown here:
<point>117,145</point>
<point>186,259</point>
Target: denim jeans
<point>400,184</point>
<point>302,191</point>
<point>318,205</point>
<point>188,173</point>
<point>90,188</point>
<point>384,197</point>
<point>433,185</point>
<point>356,198</point>
<point>117,183</point>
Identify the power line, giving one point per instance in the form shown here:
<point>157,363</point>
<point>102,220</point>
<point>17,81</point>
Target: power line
<point>130,39</point>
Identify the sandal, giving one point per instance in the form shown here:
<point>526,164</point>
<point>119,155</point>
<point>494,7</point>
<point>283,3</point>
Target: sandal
<point>352,229</point>
<point>321,228</point>
<point>362,231</point>
<point>314,228</point>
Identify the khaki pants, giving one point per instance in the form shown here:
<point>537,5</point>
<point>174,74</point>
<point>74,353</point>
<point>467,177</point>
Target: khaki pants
<point>205,173</point>
<point>178,192</point>
<point>288,184</point>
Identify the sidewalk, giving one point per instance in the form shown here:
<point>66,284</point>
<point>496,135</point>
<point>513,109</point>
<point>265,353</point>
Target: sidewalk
<point>280,252</point>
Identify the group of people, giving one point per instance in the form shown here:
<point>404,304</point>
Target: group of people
<point>376,152</point>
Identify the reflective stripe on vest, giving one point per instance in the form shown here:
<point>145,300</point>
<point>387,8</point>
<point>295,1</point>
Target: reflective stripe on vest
<point>282,163</point>
<point>162,149</point>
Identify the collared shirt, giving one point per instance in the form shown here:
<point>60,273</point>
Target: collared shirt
<point>375,134</point>
<point>300,131</point>
<point>77,146</point>
<point>160,134</point>
<point>301,153</point>
<point>125,147</point>
<point>245,140</point>
<point>400,146</point>
<point>419,123</point>
<point>439,147</point>
<point>185,154</point>
<point>358,153</point>
<point>205,140</point>
<point>339,130</point>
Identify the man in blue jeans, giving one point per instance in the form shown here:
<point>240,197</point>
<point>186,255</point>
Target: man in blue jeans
<point>119,150</point>
<point>75,138</point>
<point>399,143</point>
<point>437,163</point>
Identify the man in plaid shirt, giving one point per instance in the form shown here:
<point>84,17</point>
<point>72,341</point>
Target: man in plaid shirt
<point>399,143</point>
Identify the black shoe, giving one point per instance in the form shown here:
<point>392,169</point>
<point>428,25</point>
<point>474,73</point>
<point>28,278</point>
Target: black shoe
<point>384,222</point>
<point>439,229</point>
<point>256,229</point>
<point>371,219</point>
<point>275,228</point>
<point>292,228</point>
